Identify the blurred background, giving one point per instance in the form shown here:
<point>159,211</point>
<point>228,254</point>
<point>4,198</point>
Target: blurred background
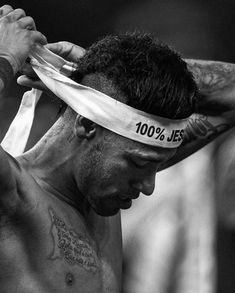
<point>182,238</point>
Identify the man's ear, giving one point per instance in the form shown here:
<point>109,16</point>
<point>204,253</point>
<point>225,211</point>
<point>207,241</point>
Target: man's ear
<point>84,127</point>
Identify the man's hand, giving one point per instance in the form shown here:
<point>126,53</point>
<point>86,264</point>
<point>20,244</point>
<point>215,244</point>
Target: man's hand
<point>68,51</point>
<point>18,36</point>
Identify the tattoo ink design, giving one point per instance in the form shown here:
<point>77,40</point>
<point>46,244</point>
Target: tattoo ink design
<point>71,246</point>
<point>200,126</point>
<point>210,75</point>
<point>69,279</point>
<point>71,137</point>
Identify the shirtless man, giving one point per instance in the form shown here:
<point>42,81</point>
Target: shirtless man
<point>59,202</point>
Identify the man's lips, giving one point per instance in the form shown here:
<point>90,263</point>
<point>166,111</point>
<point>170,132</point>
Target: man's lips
<point>125,203</point>
<point>129,197</point>
<point>135,196</point>
<point>125,200</point>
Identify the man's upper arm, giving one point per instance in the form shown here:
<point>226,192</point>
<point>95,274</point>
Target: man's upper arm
<point>7,179</point>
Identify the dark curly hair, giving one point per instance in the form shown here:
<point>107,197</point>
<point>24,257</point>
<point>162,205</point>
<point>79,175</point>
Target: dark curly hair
<point>151,76</point>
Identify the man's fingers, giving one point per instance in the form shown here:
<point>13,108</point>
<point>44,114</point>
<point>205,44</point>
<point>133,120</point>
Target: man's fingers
<point>55,47</point>
<point>5,9</point>
<point>18,36</point>
<point>67,50</point>
<point>60,48</point>
<point>77,52</point>
<point>39,37</point>
<point>37,84</point>
<point>16,14</point>
<point>32,83</point>
<point>27,69</point>
<point>27,22</point>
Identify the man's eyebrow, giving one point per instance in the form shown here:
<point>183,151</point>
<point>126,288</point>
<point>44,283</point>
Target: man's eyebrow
<point>149,158</point>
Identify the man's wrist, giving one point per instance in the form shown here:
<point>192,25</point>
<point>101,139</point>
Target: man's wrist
<point>11,59</point>
<point>6,73</point>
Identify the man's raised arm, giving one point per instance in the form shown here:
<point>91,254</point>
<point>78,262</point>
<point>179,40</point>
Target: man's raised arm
<point>17,38</point>
<point>215,107</point>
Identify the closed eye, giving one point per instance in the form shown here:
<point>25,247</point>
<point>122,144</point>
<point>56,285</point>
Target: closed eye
<point>139,163</point>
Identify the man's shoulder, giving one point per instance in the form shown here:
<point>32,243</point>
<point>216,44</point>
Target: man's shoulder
<point>24,192</point>
<point>21,174</point>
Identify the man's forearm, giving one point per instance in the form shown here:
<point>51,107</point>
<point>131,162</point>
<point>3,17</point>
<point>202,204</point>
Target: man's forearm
<point>216,83</point>
<point>215,106</point>
<point>211,75</point>
<point>200,131</point>
<point>6,73</point>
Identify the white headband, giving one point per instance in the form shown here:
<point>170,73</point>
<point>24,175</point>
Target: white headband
<point>108,112</point>
<point>94,105</point>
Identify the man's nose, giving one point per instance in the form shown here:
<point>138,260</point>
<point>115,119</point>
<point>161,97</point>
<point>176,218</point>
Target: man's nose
<point>146,185</point>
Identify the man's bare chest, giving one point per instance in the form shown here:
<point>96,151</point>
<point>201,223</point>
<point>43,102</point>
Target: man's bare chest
<point>58,251</point>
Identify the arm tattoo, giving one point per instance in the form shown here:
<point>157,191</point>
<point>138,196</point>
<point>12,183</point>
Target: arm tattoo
<point>211,76</point>
<point>216,82</point>
<point>200,127</point>
<point>71,246</point>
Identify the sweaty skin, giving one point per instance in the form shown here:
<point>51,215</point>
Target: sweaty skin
<point>50,242</point>
<point>47,246</point>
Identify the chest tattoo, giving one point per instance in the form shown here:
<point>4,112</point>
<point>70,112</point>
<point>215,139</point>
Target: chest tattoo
<point>71,246</point>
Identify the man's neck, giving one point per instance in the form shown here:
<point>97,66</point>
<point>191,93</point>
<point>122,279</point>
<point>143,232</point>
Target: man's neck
<point>51,163</point>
